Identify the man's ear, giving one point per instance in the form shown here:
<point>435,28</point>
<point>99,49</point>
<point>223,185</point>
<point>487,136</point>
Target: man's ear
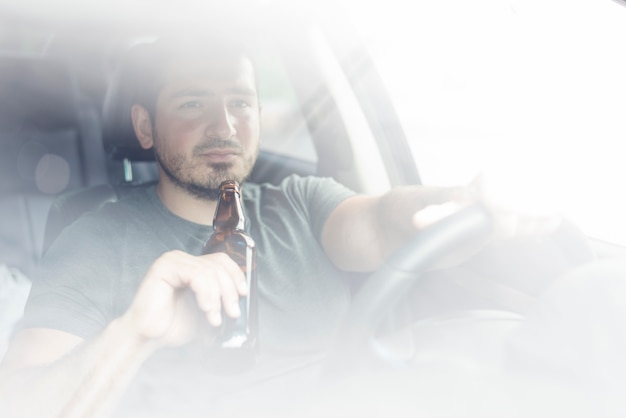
<point>143,126</point>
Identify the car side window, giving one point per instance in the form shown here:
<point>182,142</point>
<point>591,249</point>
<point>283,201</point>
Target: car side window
<point>284,129</point>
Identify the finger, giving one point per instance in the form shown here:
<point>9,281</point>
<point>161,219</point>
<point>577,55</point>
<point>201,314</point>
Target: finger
<point>207,293</point>
<point>214,317</point>
<point>232,270</point>
<point>216,289</point>
<point>230,297</point>
<point>213,279</point>
<point>184,324</point>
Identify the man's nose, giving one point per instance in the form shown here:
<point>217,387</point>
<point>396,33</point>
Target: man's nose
<point>220,123</point>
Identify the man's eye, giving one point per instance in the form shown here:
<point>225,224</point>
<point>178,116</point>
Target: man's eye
<point>191,105</point>
<point>240,103</point>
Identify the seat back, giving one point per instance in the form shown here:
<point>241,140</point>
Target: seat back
<point>128,163</point>
<point>43,127</point>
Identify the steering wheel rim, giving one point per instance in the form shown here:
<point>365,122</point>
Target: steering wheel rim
<point>386,286</point>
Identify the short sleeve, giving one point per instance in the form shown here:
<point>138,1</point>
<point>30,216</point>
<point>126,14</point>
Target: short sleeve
<point>317,197</point>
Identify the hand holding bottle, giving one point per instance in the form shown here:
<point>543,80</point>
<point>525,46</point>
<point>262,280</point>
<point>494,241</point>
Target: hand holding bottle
<point>177,286</point>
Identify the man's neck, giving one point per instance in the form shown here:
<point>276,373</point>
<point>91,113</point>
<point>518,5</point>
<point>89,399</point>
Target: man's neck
<point>185,205</point>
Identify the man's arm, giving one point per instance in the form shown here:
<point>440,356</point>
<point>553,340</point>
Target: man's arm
<point>75,378</point>
<point>50,373</point>
<point>362,231</point>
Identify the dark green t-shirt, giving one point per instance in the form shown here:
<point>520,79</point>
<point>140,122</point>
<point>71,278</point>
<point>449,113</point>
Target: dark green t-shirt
<point>92,271</point>
<point>90,274</point>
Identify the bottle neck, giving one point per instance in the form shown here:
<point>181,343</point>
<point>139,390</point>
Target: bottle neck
<point>229,213</point>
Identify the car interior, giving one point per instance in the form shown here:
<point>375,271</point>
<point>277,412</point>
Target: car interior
<point>57,140</point>
<point>66,126</point>
<point>67,146</point>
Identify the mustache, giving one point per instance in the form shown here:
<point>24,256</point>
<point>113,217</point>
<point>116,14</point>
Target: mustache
<point>217,144</point>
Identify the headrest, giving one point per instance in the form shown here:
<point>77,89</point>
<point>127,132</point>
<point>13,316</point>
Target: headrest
<point>39,126</point>
<point>36,93</point>
<point>118,134</point>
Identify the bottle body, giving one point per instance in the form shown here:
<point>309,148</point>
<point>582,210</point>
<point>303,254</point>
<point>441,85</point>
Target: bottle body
<point>238,332</point>
<point>236,344</point>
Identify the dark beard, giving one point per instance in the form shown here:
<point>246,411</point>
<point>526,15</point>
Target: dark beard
<point>200,191</point>
<point>203,191</point>
<point>209,189</point>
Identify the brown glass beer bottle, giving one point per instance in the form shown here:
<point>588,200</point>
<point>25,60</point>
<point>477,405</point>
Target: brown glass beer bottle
<point>236,345</point>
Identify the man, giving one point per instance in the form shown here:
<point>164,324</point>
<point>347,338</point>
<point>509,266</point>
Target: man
<point>123,284</point>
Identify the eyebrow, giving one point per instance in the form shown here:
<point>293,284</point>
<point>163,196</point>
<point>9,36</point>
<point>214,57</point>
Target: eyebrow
<point>195,92</point>
<point>191,92</point>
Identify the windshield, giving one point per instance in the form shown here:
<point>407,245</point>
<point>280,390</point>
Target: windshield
<point>530,91</point>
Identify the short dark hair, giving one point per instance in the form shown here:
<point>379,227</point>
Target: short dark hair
<point>150,59</point>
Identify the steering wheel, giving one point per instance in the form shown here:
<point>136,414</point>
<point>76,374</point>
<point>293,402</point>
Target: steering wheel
<point>389,284</point>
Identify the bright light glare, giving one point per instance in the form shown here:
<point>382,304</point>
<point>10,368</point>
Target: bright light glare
<point>531,91</point>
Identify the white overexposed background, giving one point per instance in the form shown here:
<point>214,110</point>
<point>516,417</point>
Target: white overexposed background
<point>531,92</point>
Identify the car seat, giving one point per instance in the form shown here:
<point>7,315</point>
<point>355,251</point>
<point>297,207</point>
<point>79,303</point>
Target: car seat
<point>50,142</point>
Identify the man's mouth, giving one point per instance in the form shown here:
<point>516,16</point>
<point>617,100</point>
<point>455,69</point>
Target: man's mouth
<point>219,155</point>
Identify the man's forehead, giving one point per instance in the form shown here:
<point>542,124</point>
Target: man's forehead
<point>218,69</point>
